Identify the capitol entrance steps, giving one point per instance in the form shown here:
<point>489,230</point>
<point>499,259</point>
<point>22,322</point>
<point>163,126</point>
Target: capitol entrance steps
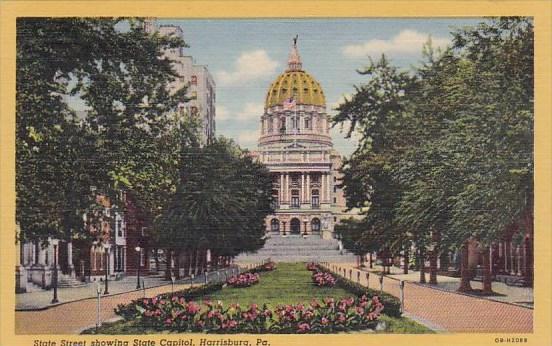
<point>296,248</point>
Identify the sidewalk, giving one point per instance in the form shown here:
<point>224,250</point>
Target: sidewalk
<point>447,311</point>
<point>39,300</point>
<point>522,296</point>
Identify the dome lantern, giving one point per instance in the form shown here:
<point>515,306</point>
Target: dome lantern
<point>294,59</point>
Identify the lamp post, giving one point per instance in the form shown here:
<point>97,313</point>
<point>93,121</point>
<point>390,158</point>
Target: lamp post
<point>284,224</point>
<point>305,220</point>
<point>139,251</point>
<point>106,247</point>
<point>55,242</point>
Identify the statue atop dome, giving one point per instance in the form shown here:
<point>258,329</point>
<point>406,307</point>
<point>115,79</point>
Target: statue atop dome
<point>294,60</point>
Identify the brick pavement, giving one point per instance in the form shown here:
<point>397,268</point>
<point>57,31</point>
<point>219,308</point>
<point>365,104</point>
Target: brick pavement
<point>72,318</point>
<point>450,311</point>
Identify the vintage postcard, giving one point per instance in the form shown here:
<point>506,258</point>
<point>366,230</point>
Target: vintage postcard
<point>247,173</point>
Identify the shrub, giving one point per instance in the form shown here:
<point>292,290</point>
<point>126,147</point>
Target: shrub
<point>392,304</point>
<point>312,267</point>
<point>243,280</point>
<point>323,279</point>
<point>179,315</point>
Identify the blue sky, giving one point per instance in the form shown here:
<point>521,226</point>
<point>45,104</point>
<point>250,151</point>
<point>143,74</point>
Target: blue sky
<point>245,56</point>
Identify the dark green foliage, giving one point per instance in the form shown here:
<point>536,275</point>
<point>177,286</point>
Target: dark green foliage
<point>447,150</point>
<point>64,159</point>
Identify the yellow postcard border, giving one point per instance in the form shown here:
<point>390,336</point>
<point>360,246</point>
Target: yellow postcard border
<point>540,10</point>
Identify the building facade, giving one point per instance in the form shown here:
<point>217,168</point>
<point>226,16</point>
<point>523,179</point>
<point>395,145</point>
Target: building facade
<point>197,78</point>
<point>296,146</point>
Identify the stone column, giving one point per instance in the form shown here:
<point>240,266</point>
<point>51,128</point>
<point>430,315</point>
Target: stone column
<point>308,192</point>
<point>322,193</point>
<point>70,265</point>
<point>281,194</point>
<point>303,198</point>
<point>328,186</point>
<point>286,187</point>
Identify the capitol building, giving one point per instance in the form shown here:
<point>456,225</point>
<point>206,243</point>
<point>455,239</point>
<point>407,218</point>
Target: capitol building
<point>296,146</point>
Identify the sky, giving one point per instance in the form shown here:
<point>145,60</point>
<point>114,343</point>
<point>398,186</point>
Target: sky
<point>245,56</point>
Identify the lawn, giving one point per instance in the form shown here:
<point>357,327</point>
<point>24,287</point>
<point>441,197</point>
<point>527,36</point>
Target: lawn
<point>290,283</point>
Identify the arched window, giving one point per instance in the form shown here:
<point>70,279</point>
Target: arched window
<point>315,225</point>
<point>275,226</point>
<point>295,226</point>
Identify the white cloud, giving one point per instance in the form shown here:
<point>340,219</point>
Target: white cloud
<point>249,66</point>
<point>406,42</point>
<point>250,111</point>
<point>222,113</point>
<point>248,138</point>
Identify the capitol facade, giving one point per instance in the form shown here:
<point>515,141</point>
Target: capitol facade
<point>296,146</point>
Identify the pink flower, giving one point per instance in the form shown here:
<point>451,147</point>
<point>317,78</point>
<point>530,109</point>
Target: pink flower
<point>303,327</point>
<point>192,308</point>
<point>324,321</point>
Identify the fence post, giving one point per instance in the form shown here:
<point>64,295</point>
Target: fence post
<point>192,280</point>
<point>172,282</point>
<point>381,283</point>
<point>144,287</point>
<point>99,294</point>
<point>401,285</point>
<point>218,276</point>
<point>350,274</point>
<point>206,278</point>
<point>367,280</point>
<point>358,277</point>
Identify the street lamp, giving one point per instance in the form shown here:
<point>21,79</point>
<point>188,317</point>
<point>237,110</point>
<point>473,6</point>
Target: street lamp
<point>106,247</point>
<point>305,220</point>
<point>139,251</point>
<point>284,224</point>
<point>55,242</point>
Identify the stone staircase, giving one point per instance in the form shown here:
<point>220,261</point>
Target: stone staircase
<point>298,249</point>
<point>66,281</point>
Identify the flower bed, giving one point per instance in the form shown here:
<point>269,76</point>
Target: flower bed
<point>392,304</point>
<point>243,280</point>
<point>267,267</point>
<point>312,267</point>
<point>323,279</point>
<point>178,315</point>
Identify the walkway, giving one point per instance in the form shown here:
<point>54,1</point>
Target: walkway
<point>450,311</point>
<point>73,317</point>
<point>41,299</point>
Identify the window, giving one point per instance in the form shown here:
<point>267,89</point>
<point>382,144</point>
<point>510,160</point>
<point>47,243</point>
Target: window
<point>143,232</point>
<point>275,225</point>
<point>315,199</point>
<point>335,200</point>
<point>275,199</point>
<point>295,179</point>
<point>315,225</point>
<point>194,80</point>
<point>307,123</point>
<point>335,189</point>
<point>142,258</point>
<point>119,228</point>
<point>295,198</point>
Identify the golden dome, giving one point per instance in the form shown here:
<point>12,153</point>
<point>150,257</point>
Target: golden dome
<point>295,83</point>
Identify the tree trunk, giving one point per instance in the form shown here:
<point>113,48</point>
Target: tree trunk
<point>168,267</point>
<point>406,260</point>
<point>444,266</point>
<point>422,266</point>
<point>487,276</point>
<point>177,264</point>
<point>465,272</point>
<point>156,258</point>
<point>433,256</point>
